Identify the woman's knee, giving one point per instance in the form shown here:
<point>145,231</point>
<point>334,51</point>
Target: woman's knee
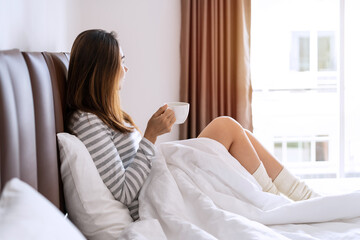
<point>218,129</point>
<point>227,122</point>
<point>224,130</point>
<point>227,126</point>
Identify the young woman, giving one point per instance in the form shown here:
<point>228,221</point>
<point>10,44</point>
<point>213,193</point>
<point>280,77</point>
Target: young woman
<point>124,158</point>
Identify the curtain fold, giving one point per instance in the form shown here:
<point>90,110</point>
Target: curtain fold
<point>215,62</point>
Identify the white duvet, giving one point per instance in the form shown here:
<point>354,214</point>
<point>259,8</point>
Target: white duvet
<point>197,190</point>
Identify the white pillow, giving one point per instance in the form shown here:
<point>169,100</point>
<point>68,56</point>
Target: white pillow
<point>26,214</point>
<point>90,204</point>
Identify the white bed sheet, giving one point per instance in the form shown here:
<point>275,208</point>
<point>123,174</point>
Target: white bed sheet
<point>197,190</point>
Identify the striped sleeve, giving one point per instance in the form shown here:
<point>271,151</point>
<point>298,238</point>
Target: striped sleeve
<point>123,183</point>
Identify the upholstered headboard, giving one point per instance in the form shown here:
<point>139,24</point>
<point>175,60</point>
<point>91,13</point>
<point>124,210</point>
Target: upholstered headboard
<point>32,93</point>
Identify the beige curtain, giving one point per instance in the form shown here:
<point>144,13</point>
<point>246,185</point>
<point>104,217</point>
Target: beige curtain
<point>215,56</point>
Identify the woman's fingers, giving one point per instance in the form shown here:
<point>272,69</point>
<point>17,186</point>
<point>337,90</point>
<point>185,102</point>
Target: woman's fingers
<point>173,119</point>
<point>160,111</point>
<point>169,113</point>
<point>171,116</point>
<point>162,121</point>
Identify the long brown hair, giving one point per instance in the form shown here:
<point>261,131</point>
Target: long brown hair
<point>93,78</point>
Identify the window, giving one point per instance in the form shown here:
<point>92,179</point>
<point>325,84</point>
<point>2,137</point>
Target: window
<point>308,149</point>
<point>303,53</point>
<point>300,51</point>
<point>326,51</point>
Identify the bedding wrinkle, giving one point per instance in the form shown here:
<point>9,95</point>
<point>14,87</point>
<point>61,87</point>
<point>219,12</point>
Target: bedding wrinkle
<point>209,195</point>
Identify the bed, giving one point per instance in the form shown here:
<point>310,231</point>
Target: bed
<point>32,88</point>
<point>32,95</point>
<point>196,190</point>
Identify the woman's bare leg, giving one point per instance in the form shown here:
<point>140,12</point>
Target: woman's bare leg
<point>272,165</point>
<point>284,180</point>
<point>250,153</point>
<point>242,145</point>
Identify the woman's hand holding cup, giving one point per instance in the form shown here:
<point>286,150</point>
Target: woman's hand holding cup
<point>160,122</point>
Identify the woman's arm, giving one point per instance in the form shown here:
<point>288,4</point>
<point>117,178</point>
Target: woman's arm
<point>123,183</point>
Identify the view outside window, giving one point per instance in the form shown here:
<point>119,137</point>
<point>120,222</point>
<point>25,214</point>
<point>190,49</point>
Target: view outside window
<point>300,51</point>
<point>326,51</point>
<point>297,106</point>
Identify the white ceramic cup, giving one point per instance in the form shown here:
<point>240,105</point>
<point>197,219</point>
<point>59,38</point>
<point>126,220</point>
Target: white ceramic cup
<point>181,110</point>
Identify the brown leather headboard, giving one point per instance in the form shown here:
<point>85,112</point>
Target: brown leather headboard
<point>32,93</point>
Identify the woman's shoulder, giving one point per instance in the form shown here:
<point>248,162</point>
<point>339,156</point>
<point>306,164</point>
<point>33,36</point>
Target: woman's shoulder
<point>79,115</point>
<point>81,118</point>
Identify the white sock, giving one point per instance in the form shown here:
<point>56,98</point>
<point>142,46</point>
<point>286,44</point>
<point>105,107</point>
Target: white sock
<point>292,187</point>
<point>264,180</point>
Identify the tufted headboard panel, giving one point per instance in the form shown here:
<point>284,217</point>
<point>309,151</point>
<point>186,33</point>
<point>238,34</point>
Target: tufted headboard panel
<point>32,110</point>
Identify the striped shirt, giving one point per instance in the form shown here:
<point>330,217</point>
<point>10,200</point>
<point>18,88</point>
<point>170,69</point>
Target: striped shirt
<point>123,160</point>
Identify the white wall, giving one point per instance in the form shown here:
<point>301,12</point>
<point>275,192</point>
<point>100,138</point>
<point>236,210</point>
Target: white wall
<point>148,31</point>
<point>35,25</point>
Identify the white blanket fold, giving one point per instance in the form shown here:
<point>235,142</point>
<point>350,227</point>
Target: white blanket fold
<point>197,190</point>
